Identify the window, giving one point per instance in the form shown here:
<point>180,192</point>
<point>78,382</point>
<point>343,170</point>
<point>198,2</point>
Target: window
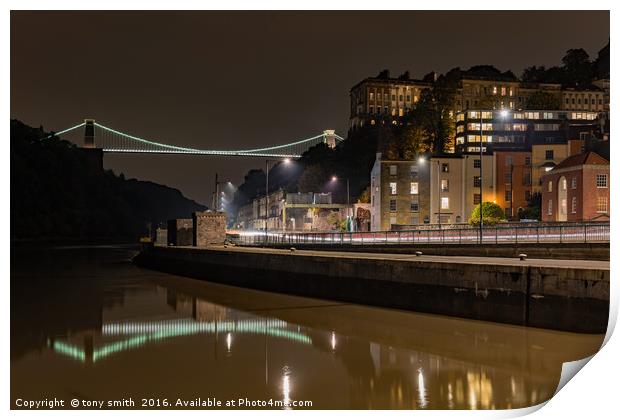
<point>372,96</point>
<point>371,109</point>
<point>532,115</point>
<point>563,184</point>
<point>476,163</point>
<point>394,97</point>
<point>392,205</point>
<point>508,160</point>
<point>573,183</point>
<point>400,98</point>
<point>508,178</point>
<point>508,195</point>
<point>528,160</point>
<point>584,135</point>
<point>550,186</point>
<point>477,181</point>
<point>573,205</point>
<point>550,208</point>
<point>445,203</point>
<point>444,185</point>
<point>527,178</point>
<point>503,90</point>
<point>494,90</point>
<point>548,115</point>
<point>408,98</point>
<point>415,206</point>
<point>415,220</point>
<point>601,180</point>
<point>392,169</point>
<point>392,220</point>
<point>601,205</point>
<point>393,188</point>
<point>549,154</point>
<point>413,188</point>
<point>476,199</point>
<point>445,167</point>
<point>414,171</point>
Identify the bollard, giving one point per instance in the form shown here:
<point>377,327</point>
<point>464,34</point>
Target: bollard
<point>522,257</point>
<point>418,253</point>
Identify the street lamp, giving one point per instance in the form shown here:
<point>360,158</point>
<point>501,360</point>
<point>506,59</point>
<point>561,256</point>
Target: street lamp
<point>216,194</point>
<point>267,161</point>
<point>503,114</point>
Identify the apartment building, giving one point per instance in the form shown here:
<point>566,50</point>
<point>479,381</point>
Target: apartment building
<point>447,189</point>
<point>513,181</point>
<point>577,189</point>
<point>503,130</point>
<point>400,192</point>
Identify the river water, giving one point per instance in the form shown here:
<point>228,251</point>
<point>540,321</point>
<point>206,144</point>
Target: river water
<point>87,324</point>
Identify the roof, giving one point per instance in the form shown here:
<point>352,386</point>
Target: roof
<point>589,158</point>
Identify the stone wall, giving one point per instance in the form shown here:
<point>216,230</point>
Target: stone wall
<point>180,232</point>
<point>209,228</point>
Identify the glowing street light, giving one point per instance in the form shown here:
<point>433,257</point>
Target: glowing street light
<point>335,178</point>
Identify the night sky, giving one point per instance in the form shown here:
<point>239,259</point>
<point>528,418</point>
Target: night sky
<point>225,80</point>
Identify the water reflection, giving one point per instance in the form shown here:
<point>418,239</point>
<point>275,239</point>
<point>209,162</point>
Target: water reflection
<point>92,324</point>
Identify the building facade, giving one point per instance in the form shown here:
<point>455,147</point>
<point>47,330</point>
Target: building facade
<point>447,189</point>
<point>400,192</point>
<point>513,181</point>
<point>378,99</point>
<point>502,130</point>
<point>577,189</point>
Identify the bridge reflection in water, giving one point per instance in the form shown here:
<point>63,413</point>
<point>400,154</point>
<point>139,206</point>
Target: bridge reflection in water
<point>99,327</point>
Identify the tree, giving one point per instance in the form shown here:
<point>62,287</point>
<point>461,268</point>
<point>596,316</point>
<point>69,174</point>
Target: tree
<point>577,67</point>
<point>534,74</point>
<point>532,211</point>
<point>542,100</point>
<point>313,178</point>
<point>492,214</point>
<point>365,195</point>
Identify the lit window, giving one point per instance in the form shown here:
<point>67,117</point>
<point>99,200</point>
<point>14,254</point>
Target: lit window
<point>393,188</point>
<point>573,206</point>
<point>503,91</point>
<point>550,207</point>
<point>392,205</point>
<point>392,169</point>
<point>494,90</point>
<point>372,96</point>
<point>601,205</point>
<point>563,184</point>
<point>445,167</point>
<point>601,180</point>
<point>444,185</point>
<point>550,186</point>
<point>413,189</point>
<point>445,203</point>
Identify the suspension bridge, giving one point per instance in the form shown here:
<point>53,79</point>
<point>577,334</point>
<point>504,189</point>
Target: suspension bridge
<point>109,140</point>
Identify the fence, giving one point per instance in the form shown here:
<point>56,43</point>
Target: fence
<point>543,233</point>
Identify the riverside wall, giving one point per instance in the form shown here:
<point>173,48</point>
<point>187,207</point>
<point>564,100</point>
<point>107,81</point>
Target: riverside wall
<point>563,295</point>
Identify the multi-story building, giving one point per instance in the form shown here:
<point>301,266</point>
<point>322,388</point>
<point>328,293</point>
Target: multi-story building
<point>546,156</point>
<point>577,189</point>
<point>384,99</point>
<point>513,181</point>
<point>399,192</point>
<point>379,99</point>
<point>591,99</point>
<point>447,189</point>
<point>471,181</point>
<point>502,130</point>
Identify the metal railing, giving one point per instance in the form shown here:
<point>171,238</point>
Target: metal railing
<point>542,233</point>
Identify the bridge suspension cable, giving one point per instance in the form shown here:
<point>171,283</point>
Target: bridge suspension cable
<point>114,141</point>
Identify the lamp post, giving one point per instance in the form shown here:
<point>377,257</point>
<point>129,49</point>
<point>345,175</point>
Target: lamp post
<point>439,193</point>
<point>267,161</point>
<point>217,197</point>
<point>503,114</point>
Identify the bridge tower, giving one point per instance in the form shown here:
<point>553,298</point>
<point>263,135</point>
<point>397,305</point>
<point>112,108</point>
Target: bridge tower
<point>89,134</point>
<point>329,136</point>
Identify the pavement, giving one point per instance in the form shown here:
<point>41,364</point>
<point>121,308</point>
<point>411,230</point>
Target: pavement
<point>577,264</point>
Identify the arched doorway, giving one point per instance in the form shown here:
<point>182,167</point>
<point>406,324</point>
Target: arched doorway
<point>562,200</point>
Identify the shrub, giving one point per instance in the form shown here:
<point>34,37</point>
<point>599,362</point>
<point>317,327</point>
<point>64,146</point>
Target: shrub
<point>492,214</point>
